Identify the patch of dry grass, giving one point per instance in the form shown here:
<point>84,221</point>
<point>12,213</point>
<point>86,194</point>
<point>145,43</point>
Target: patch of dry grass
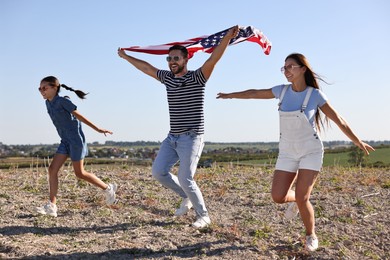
<point>351,207</point>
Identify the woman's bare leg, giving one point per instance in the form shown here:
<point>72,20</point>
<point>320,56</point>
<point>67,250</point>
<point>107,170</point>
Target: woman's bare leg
<point>282,182</point>
<point>304,186</point>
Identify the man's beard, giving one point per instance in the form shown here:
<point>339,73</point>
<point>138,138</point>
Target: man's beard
<point>179,69</point>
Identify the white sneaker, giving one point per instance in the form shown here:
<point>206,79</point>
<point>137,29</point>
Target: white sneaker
<point>110,193</point>
<point>311,243</point>
<point>291,211</point>
<point>48,209</point>
<point>184,207</point>
<point>201,222</point>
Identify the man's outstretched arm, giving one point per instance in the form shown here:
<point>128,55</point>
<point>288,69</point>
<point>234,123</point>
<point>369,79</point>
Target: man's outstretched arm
<point>139,64</point>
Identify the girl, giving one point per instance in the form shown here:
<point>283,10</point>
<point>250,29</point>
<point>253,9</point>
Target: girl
<point>67,121</point>
<point>300,148</point>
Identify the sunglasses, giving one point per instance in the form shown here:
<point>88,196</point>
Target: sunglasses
<point>44,88</point>
<point>289,67</point>
<point>174,58</point>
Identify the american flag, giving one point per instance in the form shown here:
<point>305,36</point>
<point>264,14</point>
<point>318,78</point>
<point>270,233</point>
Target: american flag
<point>207,43</point>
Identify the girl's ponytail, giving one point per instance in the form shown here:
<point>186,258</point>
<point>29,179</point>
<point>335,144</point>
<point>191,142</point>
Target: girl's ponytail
<point>79,93</point>
<point>53,81</point>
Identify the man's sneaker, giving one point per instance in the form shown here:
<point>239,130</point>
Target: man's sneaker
<point>311,243</point>
<point>48,209</point>
<point>184,207</point>
<point>291,211</point>
<point>201,222</point>
<point>110,193</point>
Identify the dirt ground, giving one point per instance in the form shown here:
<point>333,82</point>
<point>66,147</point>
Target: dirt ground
<point>351,206</point>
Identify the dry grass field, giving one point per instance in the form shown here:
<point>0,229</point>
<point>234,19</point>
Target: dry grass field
<point>351,204</point>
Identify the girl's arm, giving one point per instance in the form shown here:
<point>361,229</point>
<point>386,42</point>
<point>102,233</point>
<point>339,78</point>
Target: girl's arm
<point>331,113</point>
<point>89,123</point>
<point>247,94</point>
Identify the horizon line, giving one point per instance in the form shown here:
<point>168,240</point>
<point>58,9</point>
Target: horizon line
<point>214,142</point>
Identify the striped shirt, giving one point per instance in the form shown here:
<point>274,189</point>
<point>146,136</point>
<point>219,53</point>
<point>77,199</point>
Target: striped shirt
<point>185,100</point>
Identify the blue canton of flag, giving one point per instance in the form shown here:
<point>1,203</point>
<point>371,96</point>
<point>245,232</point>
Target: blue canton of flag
<point>213,40</point>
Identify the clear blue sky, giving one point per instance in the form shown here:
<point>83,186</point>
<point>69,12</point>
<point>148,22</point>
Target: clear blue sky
<point>347,42</point>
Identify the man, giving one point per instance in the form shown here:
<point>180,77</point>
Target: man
<point>184,143</point>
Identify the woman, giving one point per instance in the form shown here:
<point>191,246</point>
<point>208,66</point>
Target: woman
<point>67,120</point>
<point>300,148</point>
